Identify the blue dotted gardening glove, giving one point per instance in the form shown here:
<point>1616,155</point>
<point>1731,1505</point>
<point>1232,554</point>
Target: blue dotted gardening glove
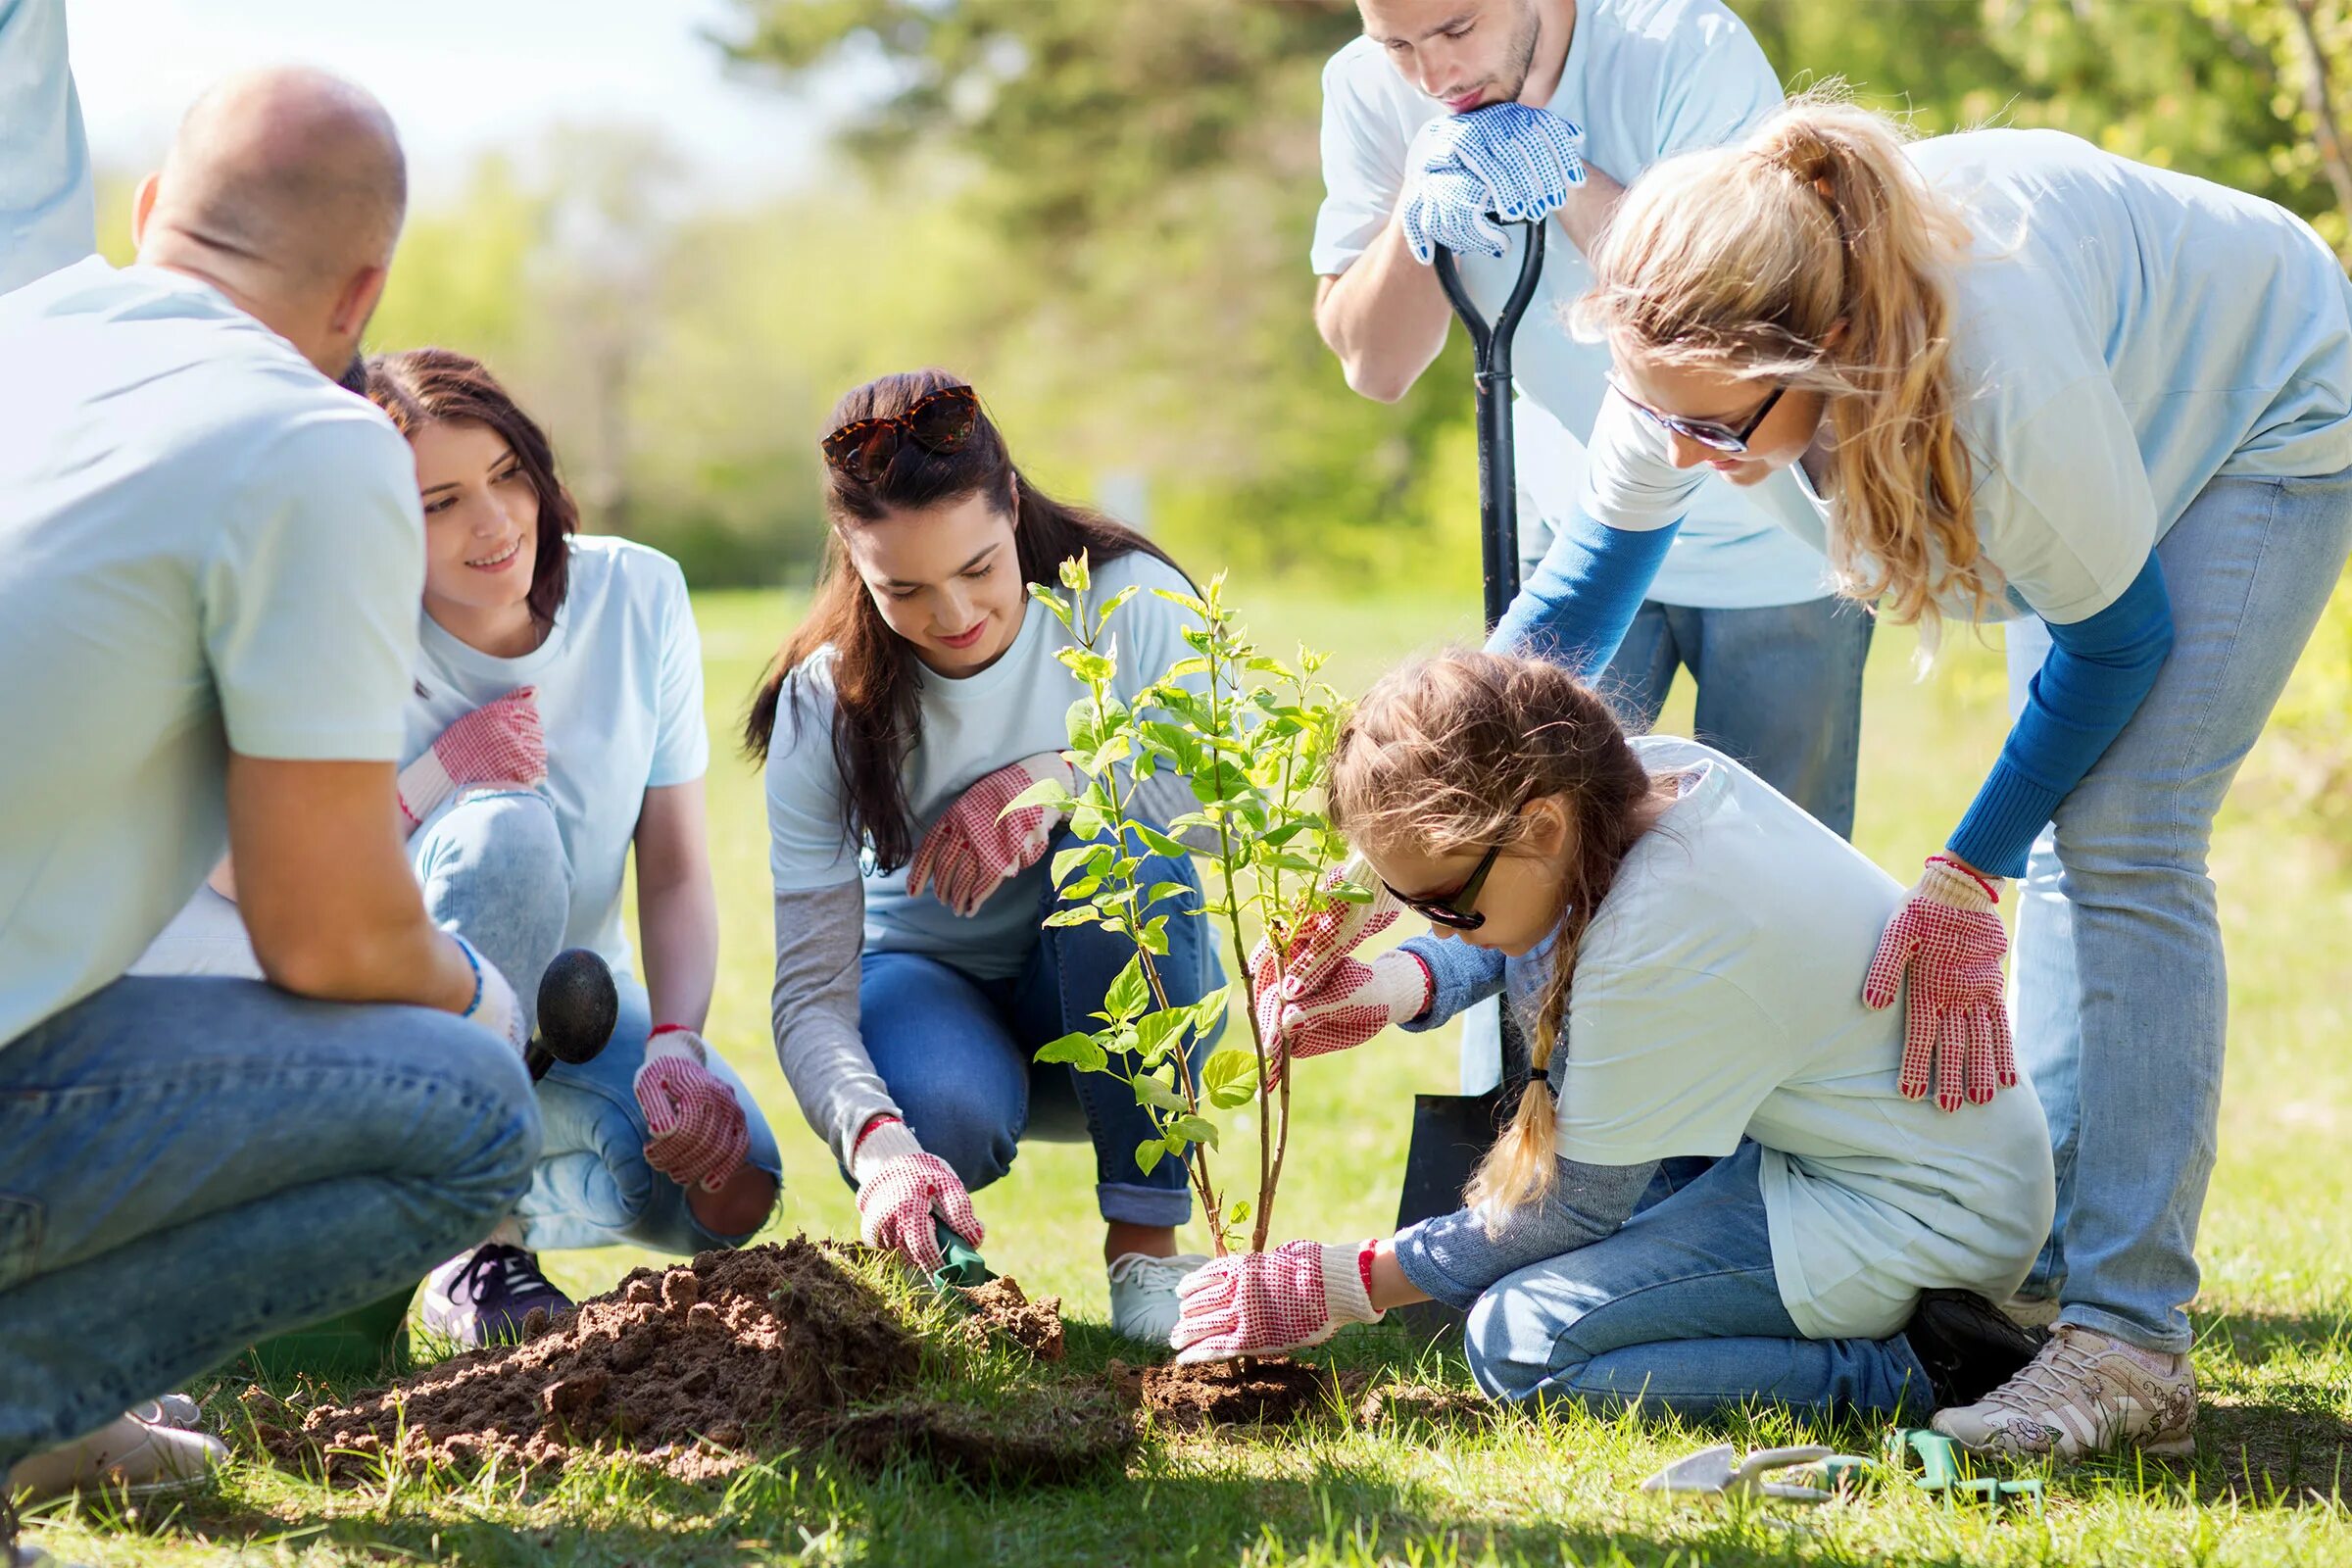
<point>1505,160</point>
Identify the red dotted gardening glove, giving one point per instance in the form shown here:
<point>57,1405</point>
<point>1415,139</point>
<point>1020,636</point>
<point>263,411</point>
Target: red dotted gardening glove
<point>1263,1303</point>
<point>975,844</point>
<point>1325,999</point>
<point>695,1132</point>
<point>903,1193</point>
<point>498,743</point>
<point>1948,943</point>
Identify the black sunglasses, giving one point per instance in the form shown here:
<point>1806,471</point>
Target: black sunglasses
<point>939,421</point>
<point>1713,434</point>
<point>1456,910</point>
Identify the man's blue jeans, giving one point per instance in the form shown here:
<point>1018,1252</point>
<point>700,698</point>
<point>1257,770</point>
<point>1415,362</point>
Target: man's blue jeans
<point>2122,999</point>
<point>958,1054</point>
<point>189,1165</point>
<point>493,869</point>
<point>1679,1308</point>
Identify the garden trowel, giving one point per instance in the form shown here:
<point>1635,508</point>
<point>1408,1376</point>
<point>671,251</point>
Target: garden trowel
<point>1451,1133</point>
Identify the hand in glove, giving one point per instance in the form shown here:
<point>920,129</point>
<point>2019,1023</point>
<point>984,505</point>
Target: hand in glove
<point>975,844</point>
<point>493,1006</point>
<point>1506,160</point>
<point>1948,943</point>
<point>1264,1303</point>
<point>498,743</point>
<point>695,1132</point>
<point>1326,998</point>
<point>903,1193</point>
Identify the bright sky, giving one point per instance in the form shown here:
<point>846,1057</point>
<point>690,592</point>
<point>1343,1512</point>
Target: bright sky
<point>458,76</point>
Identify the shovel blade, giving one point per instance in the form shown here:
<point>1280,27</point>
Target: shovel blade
<point>1451,1134</point>
<point>1707,1470</point>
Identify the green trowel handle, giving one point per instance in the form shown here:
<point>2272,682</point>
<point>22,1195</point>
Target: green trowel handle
<point>962,1263</point>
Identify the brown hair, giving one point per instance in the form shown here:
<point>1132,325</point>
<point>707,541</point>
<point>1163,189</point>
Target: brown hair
<point>419,387</point>
<point>877,680</point>
<point>1445,753</point>
<point>1813,255</point>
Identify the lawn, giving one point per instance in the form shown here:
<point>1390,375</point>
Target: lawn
<point>2275,1321</point>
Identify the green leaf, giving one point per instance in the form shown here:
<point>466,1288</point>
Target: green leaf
<point>1046,792</point>
<point>1088,666</point>
<point>1237,1213</point>
<point>1229,1078</point>
<point>1167,890</point>
<point>1080,914</point>
<point>1183,667</point>
<point>1155,1031</point>
<point>1080,1050</point>
<point>1130,994</point>
<point>1209,1011</point>
<point>1153,937</point>
<point>1120,598</point>
<point>1147,1153</point>
<point>1079,722</point>
<point>1152,1091</point>
<point>1197,1129</point>
<point>1186,600</point>
<point>1159,843</point>
<point>1075,573</point>
<point>1067,860</point>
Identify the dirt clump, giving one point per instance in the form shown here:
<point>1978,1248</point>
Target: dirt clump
<point>998,1308</point>
<point>1269,1391</point>
<point>1402,1405</point>
<point>691,1367</point>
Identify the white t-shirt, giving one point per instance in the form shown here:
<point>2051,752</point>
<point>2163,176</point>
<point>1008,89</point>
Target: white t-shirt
<point>1646,79</point>
<point>1017,708</point>
<point>47,216</point>
<point>1718,996</point>
<point>205,545</point>
<point>2122,336</point>
<point>620,700</point>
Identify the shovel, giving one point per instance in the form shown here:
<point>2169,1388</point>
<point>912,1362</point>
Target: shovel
<point>1451,1133</point>
<point>1812,1474</point>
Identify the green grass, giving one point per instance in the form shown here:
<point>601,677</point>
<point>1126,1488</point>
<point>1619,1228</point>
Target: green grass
<point>2275,1321</point>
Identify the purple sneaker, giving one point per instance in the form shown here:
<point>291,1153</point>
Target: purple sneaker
<point>481,1297</point>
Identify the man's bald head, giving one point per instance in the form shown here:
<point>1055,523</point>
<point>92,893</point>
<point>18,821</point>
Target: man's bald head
<point>286,188</point>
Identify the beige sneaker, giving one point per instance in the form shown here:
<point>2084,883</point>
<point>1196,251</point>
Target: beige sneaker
<point>2084,1393</point>
<point>1143,1294</point>
<point>125,1457</point>
<point>2032,1311</point>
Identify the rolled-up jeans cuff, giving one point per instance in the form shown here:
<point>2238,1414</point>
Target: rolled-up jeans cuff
<point>1129,1203</point>
<point>2115,1326</point>
<point>1413,1257</point>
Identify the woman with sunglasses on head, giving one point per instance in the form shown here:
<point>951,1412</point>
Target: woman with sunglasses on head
<point>916,971</point>
<point>1683,946</point>
<point>557,726</point>
<point>2000,375</point>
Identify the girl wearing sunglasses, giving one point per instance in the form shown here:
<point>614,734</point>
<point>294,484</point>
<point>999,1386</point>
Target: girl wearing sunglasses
<point>916,971</point>
<point>2008,374</point>
<point>1712,1189</point>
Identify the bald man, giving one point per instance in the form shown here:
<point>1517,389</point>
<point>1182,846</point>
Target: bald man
<point>211,558</point>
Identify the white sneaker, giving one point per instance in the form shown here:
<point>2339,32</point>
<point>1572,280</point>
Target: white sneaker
<point>1143,1294</point>
<point>125,1457</point>
<point>2084,1393</point>
<point>169,1410</point>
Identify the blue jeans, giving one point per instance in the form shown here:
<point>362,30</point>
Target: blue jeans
<point>189,1165</point>
<point>958,1054</point>
<point>2122,1000</point>
<point>1681,1309</point>
<point>493,868</point>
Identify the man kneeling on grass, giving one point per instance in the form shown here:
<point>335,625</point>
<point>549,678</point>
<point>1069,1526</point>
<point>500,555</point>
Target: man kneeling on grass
<point>1728,1200</point>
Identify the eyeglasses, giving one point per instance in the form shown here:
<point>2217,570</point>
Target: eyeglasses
<point>1713,434</point>
<point>1455,912</point>
<point>939,421</point>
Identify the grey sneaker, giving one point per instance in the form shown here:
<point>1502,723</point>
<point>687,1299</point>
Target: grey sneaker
<point>2084,1393</point>
<point>1143,1294</point>
<point>169,1410</point>
<point>125,1459</point>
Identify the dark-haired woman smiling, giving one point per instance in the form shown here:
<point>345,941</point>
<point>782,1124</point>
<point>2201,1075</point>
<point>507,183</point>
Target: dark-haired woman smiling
<point>916,976</point>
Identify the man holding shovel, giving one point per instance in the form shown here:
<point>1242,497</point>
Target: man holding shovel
<point>1447,111</point>
<point>210,561</point>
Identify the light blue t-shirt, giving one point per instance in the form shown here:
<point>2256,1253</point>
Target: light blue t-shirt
<point>1703,1013</point>
<point>2122,336</point>
<point>205,545</point>
<point>620,685</point>
<point>47,215</point>
<point>1646,79</point>
<point>1017,708</point>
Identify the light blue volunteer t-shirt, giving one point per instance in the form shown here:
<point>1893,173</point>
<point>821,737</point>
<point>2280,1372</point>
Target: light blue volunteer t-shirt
<point>620,685</point>
<point>205,545</point>
<point>47,215</point>
<point>1017,708</point>
<point>1646,79</point>
<point>2122,336</point>
<point>1718,996</point>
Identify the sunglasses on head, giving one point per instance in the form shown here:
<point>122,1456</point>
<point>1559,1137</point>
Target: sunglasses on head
<point>1713,434</point>
<point>941,421</point>
<point>1456,910</point>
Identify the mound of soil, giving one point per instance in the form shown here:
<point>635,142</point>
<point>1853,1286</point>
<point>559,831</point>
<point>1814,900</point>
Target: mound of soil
<point>1000,1308</point>
<point>1271,1392</point>
<point>1404,1405</point>
<point>692,1367</point>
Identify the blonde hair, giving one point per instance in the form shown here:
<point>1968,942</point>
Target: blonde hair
<point>1813,255</point>
<point>1443,753</point>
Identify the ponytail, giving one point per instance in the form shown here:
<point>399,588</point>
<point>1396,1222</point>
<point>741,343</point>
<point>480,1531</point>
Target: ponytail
<point>1813,255</point>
